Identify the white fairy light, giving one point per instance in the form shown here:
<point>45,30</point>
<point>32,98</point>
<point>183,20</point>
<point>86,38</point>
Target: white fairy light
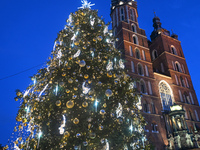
<point>92,53</point>
<point>61,128</point>
<point>26,93</point>
<point>77,54</point>
<point>92,20</point>
<point>96,104</point>
<point>43,90</point>
<point>105,30</point>
<point>86,4</point>
<point>70,20</point>
<point>121,64</point>
<point>139,104</point>
<point>39,136</point>
<point>119,110</point>
<point>56,90</point>
<point>59,55</point>
<point>131,127</point>
<point>107,145</point>
<point>131,85</point>
<point>85,89</point>
<point>109,66</point>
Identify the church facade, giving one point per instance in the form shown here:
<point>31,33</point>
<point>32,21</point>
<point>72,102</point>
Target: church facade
<point>169,101</point>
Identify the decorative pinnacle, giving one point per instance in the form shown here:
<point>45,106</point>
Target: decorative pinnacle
<point>86,4</point>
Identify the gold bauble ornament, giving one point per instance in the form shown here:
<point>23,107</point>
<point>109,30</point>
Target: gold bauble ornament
<point>89,81</point>
<point>86,76</point>
<point>24,120</point>
<point>94,40</point>
<point>108,93</point>
<point>102,112</point>
<point>75,89</point>
<point>70,104</point>
<point>88,67</point>
<point>100,127</point>
<point>76,43</point>
<point>19,93</point>
<point>109,74</point>
<point>70,80</point>
<point>89,126</point>
<point>18,118</point>
<point>76,121</point>
<point>67,91</point>
<point>66,134</point>
<point>58,103</point>
<point>104,105</point>
<point>68,67</point>
<point>85,104</point>
<point>82,63</point>
<point>84,47</point>
<point>16,99</point>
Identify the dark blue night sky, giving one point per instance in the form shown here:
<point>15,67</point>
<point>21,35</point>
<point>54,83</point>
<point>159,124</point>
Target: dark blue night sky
<point>29,28</point>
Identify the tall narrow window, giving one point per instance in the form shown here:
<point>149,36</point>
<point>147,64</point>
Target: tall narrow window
<point>166,95</point>
<point>154,54</point>
<point>133,27</point>
<point>191,116</point>
<point>173,65</point>
<point>135,39</point>
<point>131,50</point>
<point>113,19</point>
<point>187,84</point>
<point>191,98</point>
<point>153,108</point>
<point>132,66</point>
<point>176,78</point>
<point>183,68</point>
<point>143,87</point>
<point>145,107</point>
<point>173,49</point>
<point>180,95</point>
<point>178,67</point>
<point>146,70</point>
<point>196,114</point>
<point>162,68</point>
<point>137,54</point>
<point>186,116</point>
<point>132,14</point>
<point>182,82</point>
<point>140,69</point>
<point>143,54</point>
<point>122,14</point>
<point>150,88</point>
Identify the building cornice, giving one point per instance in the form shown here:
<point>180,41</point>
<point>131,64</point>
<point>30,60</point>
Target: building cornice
<point>140,60</point>
<point>155,73</point>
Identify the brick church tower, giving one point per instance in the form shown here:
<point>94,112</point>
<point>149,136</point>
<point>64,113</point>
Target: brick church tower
<point>169,101</point>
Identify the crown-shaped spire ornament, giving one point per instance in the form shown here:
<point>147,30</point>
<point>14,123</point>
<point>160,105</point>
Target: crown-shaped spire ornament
<point>86,4</point>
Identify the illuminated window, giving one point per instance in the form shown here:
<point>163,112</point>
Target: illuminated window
<point>166,95</point>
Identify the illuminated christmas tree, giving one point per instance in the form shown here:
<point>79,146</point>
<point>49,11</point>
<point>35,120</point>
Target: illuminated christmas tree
<point>84,99</point>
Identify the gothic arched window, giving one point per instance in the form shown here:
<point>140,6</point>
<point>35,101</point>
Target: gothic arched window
<point>182,81</point>
<point>143,87</point>
<point>140,69</point>
<point>137,54</point>
<point>173,49</point>
<point>166,95</point>
<point>135,39</point>
<point>178,67</point>
<point>133,27</point>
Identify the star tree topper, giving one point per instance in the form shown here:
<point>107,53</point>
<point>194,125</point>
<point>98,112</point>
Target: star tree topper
<point>86,4</point>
